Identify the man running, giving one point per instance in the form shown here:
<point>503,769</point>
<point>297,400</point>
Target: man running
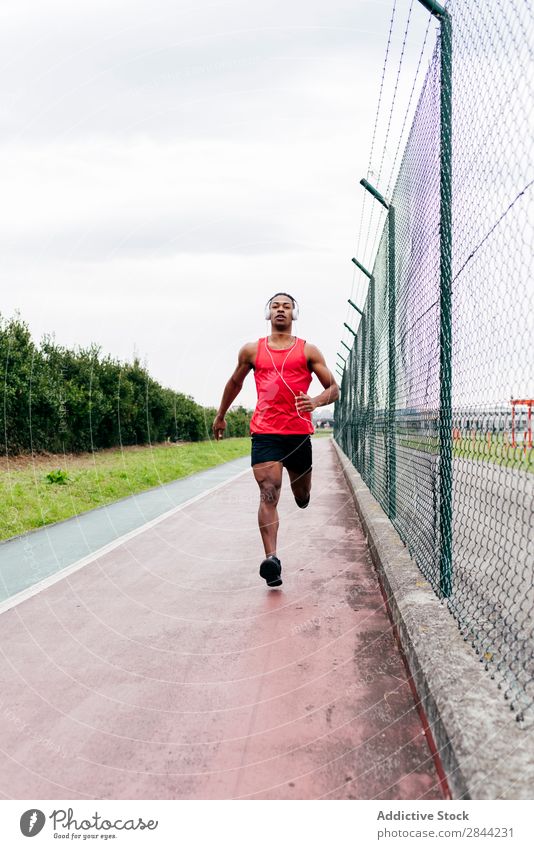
<point>281,425</point>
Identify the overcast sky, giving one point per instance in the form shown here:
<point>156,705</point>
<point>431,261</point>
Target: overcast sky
<point>167,166</point>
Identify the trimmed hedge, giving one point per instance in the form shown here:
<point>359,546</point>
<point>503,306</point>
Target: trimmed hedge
<point>56,399</point>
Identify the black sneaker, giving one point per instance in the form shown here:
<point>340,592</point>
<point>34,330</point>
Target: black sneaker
<point>271,570</point>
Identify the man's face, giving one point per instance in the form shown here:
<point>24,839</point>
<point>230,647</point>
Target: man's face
<point>281,310</point>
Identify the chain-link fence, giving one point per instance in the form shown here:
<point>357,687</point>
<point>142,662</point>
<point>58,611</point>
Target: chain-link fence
<point>436,406</point>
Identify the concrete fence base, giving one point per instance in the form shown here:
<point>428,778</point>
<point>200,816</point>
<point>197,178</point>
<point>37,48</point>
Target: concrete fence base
<point>484,752</point>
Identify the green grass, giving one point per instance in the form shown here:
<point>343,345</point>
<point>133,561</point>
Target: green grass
<point>495,450</point>
<point>28,499</point>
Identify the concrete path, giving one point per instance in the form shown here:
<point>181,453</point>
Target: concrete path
<point>167,669</point>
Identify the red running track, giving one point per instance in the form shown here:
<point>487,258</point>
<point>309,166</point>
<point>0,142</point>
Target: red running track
<point>167,670</point>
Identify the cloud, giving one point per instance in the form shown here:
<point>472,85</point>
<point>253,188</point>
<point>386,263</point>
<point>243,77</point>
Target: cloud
<point>168,165</point>
<point>96,201</point>
<point>116,69</point>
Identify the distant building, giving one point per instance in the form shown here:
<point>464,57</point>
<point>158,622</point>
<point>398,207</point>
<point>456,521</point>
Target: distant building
<point>323,418</point>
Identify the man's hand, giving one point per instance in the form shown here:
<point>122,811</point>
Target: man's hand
<point>218,427</point>
<point>304,403</point>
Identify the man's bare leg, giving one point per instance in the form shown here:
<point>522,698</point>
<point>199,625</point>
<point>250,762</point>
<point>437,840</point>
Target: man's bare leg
<point>301,486</point>
<point>269,478</point>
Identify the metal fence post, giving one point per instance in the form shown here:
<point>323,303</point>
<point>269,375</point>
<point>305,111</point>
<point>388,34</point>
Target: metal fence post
<point>445,298</point>
<point>380,198</point>
<point>361,453</point>
<point>371,383</point>
<point>356,440</point>
<point>445,329</point>
<point>367,326</point>
<point>392,382</point>
<point>445,326</point>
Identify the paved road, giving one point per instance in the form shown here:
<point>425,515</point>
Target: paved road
<point>494,569</point>
<point>493,555</point>
<point>167,669</point>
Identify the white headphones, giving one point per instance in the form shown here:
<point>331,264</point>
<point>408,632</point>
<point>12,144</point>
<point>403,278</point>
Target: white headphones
<point>294,312</point>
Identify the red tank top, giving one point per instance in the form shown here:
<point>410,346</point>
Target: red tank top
<point>275,411</point>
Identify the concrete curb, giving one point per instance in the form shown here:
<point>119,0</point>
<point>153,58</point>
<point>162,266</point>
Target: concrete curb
<point>484,753</point>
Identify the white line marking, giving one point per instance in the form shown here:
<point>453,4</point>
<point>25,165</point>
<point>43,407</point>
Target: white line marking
<point>13,600</point>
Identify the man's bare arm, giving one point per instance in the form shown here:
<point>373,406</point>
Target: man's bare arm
<point>233,387</point>
<point>318,366</point>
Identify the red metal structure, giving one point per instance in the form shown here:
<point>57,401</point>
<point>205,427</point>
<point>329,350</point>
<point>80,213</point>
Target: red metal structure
<point>528,402</point>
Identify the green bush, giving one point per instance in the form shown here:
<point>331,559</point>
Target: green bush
<point>57,476</point>
<point>56,399</point>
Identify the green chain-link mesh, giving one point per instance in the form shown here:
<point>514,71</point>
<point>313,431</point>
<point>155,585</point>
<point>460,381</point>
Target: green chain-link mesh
<point>445,343</point>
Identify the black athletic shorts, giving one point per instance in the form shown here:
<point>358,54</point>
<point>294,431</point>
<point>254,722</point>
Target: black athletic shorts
<point>293,450</point>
